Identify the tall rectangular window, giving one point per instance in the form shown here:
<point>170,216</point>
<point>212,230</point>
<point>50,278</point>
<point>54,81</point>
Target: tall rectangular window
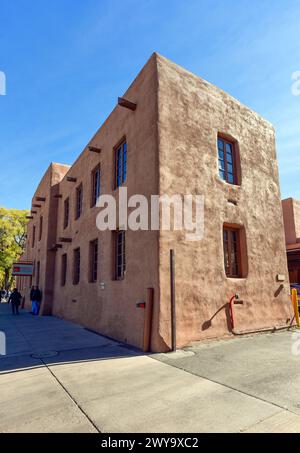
<point>93,261</point>
<point>96,185</point>
<point>227,161</point>
<point>33,236</point>
<point>120,258</point>
<point>121,164</point>
<point>64,269</point>
<point>41,228</point>
<point>78,201</point>
<point>66,212</point>
<point>232,252</point>
<point>76,267</point>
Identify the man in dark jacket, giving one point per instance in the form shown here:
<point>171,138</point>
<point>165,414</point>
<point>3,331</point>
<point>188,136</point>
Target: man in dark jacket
<point>38,300</point>
<point>32,299</point>
<point>15,299</point>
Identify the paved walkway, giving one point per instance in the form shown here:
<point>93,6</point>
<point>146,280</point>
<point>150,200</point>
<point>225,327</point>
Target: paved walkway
<point>58,377</point>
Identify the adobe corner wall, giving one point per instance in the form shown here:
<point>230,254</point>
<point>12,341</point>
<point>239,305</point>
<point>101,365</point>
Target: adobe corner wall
<point>191,114</point>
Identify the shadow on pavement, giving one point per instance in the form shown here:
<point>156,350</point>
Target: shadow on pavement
<point>34,342</point>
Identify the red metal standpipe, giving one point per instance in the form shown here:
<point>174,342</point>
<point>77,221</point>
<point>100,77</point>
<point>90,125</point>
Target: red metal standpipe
<point>234,300</point>
<point>231,311</point>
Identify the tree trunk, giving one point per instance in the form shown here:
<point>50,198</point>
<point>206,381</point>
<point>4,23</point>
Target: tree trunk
<point>6,279</point>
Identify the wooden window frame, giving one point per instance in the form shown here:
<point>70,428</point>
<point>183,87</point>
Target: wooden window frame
<point>119,258</point>
<point>94,261</point>
<point>228,252</point>
<point>76,266</point>
<point>233,145</point>
<point>78,201</point>
<point>94,197</point>
<point>38,273</point>
<point>41,228</point>
<point>66,212</point>
<point>64,269</point>
<point>33,236</point>
<point>119,163</point>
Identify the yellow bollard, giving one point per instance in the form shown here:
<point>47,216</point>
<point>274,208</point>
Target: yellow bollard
<point>295,306</point>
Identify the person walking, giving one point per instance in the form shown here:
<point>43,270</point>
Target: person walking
<point>15,299</point>
<point>38,300</point>
<point>32,299</point>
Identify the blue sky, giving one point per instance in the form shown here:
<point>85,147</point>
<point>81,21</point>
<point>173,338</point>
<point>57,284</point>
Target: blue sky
<point>66,62</point>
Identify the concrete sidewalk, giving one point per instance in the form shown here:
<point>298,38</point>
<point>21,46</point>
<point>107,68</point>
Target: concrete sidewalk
<point>58,377</point>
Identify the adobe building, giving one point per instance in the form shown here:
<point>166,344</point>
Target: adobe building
<point>291,215</point>
<point>171,133</point>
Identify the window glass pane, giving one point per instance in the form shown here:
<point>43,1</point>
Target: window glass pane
<point>229,148</point>
<point>226,256</point>
<point>119,167</point>
<point>98,184</point>
<point>231,252</point>
<point>229,168</point>
<point>221,165</point>
<point>124,162</point>
<point>221,154</point>
<point>220,144</point>
<point>120,254</point>
<point>229,158</point>
<point>222,175</point>
<point>230,178</point>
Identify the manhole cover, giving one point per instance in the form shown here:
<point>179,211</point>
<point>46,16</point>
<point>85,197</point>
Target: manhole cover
<point>44,355</point>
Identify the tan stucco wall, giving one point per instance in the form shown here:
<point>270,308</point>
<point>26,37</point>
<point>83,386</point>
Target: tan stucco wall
<point>40,252</point>
<point>113,311</point>
<point>296,206</point>
<point>291,216</point>
<point>289,221</point>
<point>191,114</point>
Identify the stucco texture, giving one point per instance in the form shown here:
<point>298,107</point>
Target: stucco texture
<point>191,115</point>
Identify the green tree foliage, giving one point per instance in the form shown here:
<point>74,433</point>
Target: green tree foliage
<point>12,241</point>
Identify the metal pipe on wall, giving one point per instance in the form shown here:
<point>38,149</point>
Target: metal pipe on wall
<point>173,299</point>
<point>148,320</point>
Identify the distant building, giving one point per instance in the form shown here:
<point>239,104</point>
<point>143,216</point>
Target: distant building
<point>185,137</point>
<point>291,215</point>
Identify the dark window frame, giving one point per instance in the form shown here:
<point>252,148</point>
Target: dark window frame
<point>41,228</point>
<point>76,266</point>
<point>78,201</point>
<point>96,188</point>
<point>64,269</point>
<point>120,254</point>
<point>94,261</point>
<point>232,252</point>
<point>33,236</point>
<point>66,212</point>
<point>38,273</point>
<point>224,173</point>
<point>121,158</point>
